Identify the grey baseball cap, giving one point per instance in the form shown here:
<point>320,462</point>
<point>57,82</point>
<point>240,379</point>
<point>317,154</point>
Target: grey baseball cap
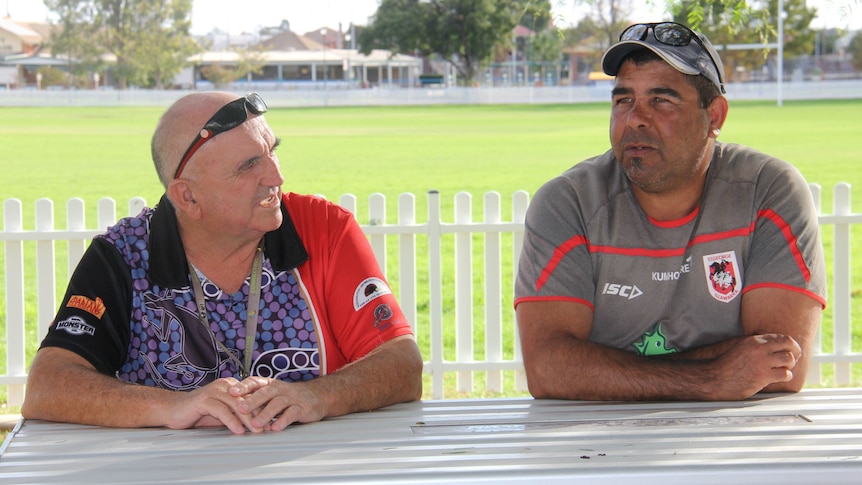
<point>684,49</point>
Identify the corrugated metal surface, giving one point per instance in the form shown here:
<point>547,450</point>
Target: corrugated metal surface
<point>811,437</point>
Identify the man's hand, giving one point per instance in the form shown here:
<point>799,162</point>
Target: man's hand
<point>755,362</point>
<point>210,406</point>
<point>274,405</point>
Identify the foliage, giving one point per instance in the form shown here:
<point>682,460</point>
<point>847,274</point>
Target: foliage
<point>741,22</point>
<point>855,48</point>
<point>250,61</point>
<point>545,47</point>
<point>73,41</point>
<point>52,76</point>
<point>610,17</point>
<point>465,33</point>
<point>150,39</point>
<point>536,15</point>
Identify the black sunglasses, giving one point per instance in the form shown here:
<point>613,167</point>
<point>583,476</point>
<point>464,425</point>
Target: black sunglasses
<point>672,34</point>
<point>226,118</point>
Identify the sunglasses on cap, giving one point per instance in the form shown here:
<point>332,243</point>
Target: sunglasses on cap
<point>672,34</point>
<point>226,118</point>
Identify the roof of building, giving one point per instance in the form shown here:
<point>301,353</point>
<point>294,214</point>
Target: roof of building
<point>21,30</point>
<point>289,41</point>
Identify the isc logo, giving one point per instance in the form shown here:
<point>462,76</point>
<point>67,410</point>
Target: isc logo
<point>624,291</point>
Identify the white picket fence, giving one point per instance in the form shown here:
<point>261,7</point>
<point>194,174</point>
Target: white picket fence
<point>435,288</point>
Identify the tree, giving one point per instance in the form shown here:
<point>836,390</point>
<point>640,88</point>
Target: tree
<point>855,49</point>
<point>164,41</point>
<point>149,39</point>
<point>610,17</point>
<point>545,48</point>
<point>73,40</point>
<point>726,23</point>
<point>250,61</point>
<point>465,33</point>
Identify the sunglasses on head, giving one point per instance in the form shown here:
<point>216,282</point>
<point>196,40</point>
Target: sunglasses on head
<point>226,118</point>
<point>669,33</point>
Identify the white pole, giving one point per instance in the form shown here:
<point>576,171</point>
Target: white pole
<point>780,48</point>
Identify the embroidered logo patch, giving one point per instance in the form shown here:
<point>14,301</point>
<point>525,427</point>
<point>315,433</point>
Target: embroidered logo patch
<point>76,326</point>
<point>382,314</point>
<point>723,276</point>
<point>95,308</point>
<point>368,290</point>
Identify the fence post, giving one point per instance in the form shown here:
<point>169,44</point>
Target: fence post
<point>16,360</point>
<point>377,217</point>
<point>493,293</point>
<point>348,201</point>
<point>841,282</point>
<point>815,369</point>
<point>75,221</point>
<point>107,213</point>
<point>520,202</point>
<point>46,279</point>
<point>407,258</point>
<point>464,290</point>
<point>136,205</point>
<point>435,293</point>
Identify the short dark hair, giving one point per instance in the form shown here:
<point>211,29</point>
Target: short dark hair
<point>706,89</point>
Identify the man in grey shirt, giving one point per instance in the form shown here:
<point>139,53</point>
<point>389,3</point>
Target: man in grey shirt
<point>672,266</point>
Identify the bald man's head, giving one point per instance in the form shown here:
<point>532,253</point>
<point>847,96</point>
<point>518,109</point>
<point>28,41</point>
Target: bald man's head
<point>179,125</point>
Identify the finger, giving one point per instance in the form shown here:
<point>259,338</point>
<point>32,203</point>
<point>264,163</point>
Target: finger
<point>225,416</point>
<point>290,415</point>
<point>782,374</point>
<point>785,359</point>
<point>780,343</point>
<point>248,386</point>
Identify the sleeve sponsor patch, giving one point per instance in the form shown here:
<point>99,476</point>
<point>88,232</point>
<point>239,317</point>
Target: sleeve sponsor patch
<point>76,326</point>
<point>368,290</point>
<point>94,307</point>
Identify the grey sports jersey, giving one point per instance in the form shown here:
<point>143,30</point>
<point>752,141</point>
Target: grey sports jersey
<point>659,287</point>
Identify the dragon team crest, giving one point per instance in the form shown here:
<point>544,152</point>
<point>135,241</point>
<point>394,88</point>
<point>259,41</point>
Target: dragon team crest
<point>723,277</point>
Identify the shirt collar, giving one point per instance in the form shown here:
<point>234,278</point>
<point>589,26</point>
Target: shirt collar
<point>169,267</point>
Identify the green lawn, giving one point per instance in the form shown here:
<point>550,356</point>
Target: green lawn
<point>92,153</point>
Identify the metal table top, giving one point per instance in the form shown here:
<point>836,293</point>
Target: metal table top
<point>811,437</point>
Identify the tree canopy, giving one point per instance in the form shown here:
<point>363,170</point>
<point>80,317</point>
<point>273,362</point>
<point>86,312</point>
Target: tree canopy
<point>150,39</point>
<point>466,33</point>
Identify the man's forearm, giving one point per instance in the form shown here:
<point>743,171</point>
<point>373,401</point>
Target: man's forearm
<point>62,388</point>
<point>390,374</point>
<point>579,369</point>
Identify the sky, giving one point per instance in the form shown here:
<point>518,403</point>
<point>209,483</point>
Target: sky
<point>306,15</point>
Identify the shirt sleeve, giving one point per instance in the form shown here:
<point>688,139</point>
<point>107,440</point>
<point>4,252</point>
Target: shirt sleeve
<point>351,294</point>
<point>555,262</point>
<point>786,248</point>
<point>93,319</point>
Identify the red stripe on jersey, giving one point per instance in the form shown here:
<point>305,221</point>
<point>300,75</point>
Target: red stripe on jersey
<point>677,222</point>
<point>554,298</point>
<point>792,242</point>
<point>652,253</point>
<point>561,251</point>
<point>795,289</point>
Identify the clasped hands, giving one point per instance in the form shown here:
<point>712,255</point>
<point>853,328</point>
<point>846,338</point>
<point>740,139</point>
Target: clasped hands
<point>254,404</point>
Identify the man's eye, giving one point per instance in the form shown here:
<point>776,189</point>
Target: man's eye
<point>248,165</point>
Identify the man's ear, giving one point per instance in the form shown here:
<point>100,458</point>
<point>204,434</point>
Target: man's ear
<point>182,195</point>
<point>717,112</point>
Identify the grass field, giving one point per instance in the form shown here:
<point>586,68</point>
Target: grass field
<point>92,153</point>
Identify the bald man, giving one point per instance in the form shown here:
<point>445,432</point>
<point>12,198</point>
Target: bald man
<point>229,303</point>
